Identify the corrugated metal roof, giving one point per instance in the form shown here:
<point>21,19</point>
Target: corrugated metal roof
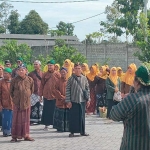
<point>36,37</point>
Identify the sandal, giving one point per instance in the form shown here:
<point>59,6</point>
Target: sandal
<point>29,139</point>
<point>71,135</point>
<point>85,134</point>
<point>13,140</point>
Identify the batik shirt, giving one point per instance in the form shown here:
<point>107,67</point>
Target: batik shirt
<point>134,111</point>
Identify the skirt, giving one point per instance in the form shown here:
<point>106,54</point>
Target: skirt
<point>92,107</point>
<point>48,112</point>
<point>77,118</point>
<point>36,113</point>
<point>61,119</point>
<point>111,103</point>
<point>6,121</point>
<point>20,123</point>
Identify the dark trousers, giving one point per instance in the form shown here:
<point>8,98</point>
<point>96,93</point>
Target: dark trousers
<point>77,118</point>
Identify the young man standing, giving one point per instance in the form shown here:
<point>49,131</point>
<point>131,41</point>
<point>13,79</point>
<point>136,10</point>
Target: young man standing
<point>47,88</point>
<point>6,102</point>
<point>77,86</point>
<point>21,90</point>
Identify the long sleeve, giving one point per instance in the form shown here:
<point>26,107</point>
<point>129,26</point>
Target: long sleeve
<point>1,95</point>
<point>123,87</point>
<point>68,91</point>
<point>42,85</point>
<point>57,92</point>
<point>108,86</point>
<point>12,88</point>
<point>32,87</point>
<point>87,88</point>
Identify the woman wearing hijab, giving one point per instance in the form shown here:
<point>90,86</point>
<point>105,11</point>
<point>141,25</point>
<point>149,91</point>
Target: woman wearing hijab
<point>113,85</point>
<point>57,67</point>
<point>100,81</point>
<point>85,69</point>
<point>90,77</point>
<point>128,79</point>
<point>120,73</point>
<point>68,65</point>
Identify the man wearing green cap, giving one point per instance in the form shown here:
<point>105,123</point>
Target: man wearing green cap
<point>47,89</point>
<point>19,63</point>
<point>134,111</point>
<point>6,102</point>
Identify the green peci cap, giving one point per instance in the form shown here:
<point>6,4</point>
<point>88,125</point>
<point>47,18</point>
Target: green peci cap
<point>8,70</point>
<point>143,75</point>
<point>20,58</point>
<point>51,62</point>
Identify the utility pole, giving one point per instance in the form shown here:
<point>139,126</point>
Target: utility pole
<point>145,12</point>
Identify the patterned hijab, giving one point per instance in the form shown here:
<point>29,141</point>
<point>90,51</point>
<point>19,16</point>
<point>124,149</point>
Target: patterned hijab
<point>92,75</point>
<point>129,77</point>
<point>112,77</point>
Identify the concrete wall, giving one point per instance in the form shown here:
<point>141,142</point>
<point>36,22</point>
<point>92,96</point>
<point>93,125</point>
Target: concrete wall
<point>117,54</point>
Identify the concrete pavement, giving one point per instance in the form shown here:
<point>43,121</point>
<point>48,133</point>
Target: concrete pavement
<point>103,136</point>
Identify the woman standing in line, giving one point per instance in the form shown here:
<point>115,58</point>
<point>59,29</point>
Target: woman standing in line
<point>113,85</point>
<point>100,82</point>
<point>90,77</point>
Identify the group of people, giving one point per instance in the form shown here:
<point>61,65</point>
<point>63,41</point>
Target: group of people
<point>70,91</point>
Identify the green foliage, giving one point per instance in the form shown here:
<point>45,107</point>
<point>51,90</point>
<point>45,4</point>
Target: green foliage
<point>56,33</point>
<point>11,50</point>
<point>143,53</point>
<point>33,24</point>
<point>60,53</point>
<point>14,22</point>
<point>65,28</point>
<point>110,26</point>
<point>5,9</point>
<point>59,42</point>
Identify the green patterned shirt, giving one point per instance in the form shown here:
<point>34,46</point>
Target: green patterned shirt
<point>134,111</point>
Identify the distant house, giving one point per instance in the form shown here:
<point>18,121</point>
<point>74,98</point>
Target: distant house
<point>38,40</point>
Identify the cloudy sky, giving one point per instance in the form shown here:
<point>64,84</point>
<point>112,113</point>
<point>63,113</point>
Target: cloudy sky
<point>70,12</point>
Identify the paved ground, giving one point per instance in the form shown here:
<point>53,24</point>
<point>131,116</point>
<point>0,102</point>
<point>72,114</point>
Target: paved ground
<point>102,137</point>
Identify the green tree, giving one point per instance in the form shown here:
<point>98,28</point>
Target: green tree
<point>65,28</point>
<point>89,40</point>
<point>143,53</point>
<point>56,33</point>
<point>33,24</point>
<point>14,22</point>
<point>60,53</point>
<point>129,19</point>
<point>110,26</point>
<point>5,10</point>
<point>11,50</point>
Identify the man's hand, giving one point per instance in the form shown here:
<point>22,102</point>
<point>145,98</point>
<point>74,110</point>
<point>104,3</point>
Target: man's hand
<point>87,104</point>
<point>69,105</point>
<point>122,95</point>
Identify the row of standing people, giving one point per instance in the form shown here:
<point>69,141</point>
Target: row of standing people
<point>21,88</point>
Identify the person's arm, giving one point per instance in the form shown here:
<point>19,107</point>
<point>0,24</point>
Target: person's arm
<point>120,112</point>
<point>108,86</point>
<point>32,86</point>
<point>57,92</point>
<point>68,91</point>
<point>1,95</point>
<point>122,87</point>
<point>42,85</point>
<point>87,88</point>
<point>12,88</point>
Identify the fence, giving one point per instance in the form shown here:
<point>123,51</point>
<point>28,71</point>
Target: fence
<point>117,54</point>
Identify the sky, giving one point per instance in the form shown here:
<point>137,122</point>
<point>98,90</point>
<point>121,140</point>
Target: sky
<point>70,12</point>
